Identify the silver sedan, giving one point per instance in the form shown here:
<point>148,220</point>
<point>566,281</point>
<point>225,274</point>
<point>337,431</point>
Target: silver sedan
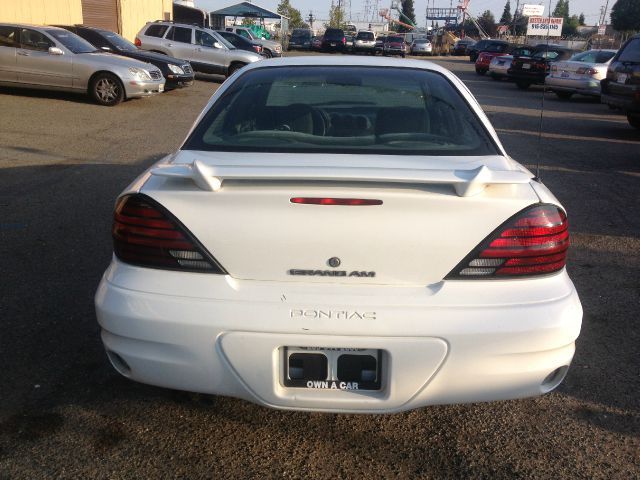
<point>52,58</point>
<point>581,74</point>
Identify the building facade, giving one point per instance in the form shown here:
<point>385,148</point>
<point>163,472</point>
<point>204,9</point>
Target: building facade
<point>123,16</point>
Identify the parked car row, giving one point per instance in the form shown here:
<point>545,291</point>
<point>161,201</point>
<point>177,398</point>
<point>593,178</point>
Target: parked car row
<point>110,69</point>
<point>365,41</point>
<point>612,75</point>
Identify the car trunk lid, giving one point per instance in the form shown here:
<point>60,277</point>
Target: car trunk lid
<point>414,234</point>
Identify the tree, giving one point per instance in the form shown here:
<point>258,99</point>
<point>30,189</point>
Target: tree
<point>408,15</point>
<point>562,10</point>
<point>336,16</point>
<point>293,14</point>
<point>248,21</point>
<point>625,15</point>
<point>488,23</point>
<point>506,17</point>
<point>581,20</point>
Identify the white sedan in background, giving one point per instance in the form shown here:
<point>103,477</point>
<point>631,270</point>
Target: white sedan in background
<point>341,235</point>
<point>581,74</point>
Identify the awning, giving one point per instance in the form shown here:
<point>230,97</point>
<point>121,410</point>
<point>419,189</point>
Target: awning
<point>246,9</point>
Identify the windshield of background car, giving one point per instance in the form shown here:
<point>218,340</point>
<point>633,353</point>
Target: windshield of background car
<point>631,52</point>
<point>394,40</point>
<point>301,34</point>
<point>120,43</point>
<point>593,56</point>
<point>547,55</point>
<point>334,33</point>
<point>360,110</point>
<point>72,41</point>
<point>365,36</point>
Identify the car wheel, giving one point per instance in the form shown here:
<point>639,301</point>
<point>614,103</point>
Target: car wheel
<point>495,77</point>
<point>522,85</point>
<point>480,72</point>
<point>564,95</point>
<point>107,89</point>
<point>233,68</point>
<point>403,55</point>
<point>267,53</point>
<point>634,120</point>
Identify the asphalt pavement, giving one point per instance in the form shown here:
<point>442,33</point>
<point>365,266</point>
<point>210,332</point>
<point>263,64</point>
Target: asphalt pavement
<point>64,412</point>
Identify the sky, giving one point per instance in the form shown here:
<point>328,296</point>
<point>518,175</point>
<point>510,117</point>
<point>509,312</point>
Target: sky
<point>320,8</point>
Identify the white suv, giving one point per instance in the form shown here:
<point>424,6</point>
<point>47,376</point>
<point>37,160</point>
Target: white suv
<point>207,51</point>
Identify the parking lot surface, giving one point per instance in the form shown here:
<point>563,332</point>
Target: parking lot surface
<point>64,412</point>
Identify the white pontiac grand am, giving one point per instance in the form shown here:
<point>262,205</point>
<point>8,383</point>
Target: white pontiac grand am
<point>341,235</point>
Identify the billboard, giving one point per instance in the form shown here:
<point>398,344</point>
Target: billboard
<point>533,10</point>
<point>545,26</point>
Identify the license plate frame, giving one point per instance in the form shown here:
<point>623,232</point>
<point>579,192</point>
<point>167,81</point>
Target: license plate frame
<point>347,369</point>
<point>526,66</point>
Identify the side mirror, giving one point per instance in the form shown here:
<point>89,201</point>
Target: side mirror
<point>217,45</point>
<point>55,51</point>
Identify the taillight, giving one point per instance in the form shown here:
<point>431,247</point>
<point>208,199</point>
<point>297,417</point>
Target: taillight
<point>587,71</point>
<point>533,242</point>
<point>258,48</point>
<point>344,40</point>
<point>147,235</point>
<point>137,42</point>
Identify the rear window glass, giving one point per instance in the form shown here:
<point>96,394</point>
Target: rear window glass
<point>593,56</point>
<point>360,110</point>
<point>631,52</point>
<point>156,30</point>
<point>8,37</point>
<point>365,36</point>
<point>395,39</point>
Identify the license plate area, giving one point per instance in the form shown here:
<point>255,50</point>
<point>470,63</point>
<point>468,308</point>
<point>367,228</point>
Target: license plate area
<point>332,368</point>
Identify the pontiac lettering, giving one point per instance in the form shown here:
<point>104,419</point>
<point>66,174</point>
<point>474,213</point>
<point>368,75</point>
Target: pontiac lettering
<point>332,314</point>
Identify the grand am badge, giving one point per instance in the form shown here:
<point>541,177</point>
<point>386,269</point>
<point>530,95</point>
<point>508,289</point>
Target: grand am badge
<point>331,273</point>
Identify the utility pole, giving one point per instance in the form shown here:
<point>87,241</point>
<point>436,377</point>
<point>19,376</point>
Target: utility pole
<point>311,19</point>
<point>604,14</point>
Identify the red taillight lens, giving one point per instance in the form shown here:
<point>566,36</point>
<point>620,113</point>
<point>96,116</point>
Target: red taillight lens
<point>352,202</point>
<point>147,235</point>
<point>587,71</point>
<point>137,42</point>
<point>344,40</point>
<point>533,242</point>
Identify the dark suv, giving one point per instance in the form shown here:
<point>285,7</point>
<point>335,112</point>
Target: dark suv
<point>334,40</point>
<point>621,88</point>
<point>178,73</point>
<point>300,39</point>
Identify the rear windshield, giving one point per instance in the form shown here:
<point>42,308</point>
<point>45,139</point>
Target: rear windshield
<point>360,110</point>
<point>395,39</point>
<point>301,34</point>
<point>631,52</point>
<point>334,33</point>
<point>365,36</point>
<point>593,56</point>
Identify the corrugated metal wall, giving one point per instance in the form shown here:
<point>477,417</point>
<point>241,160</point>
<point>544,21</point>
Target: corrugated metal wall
<point>41,11</point>
<point>124,16</point>
<point>135,13</point>
<point>101,14</point>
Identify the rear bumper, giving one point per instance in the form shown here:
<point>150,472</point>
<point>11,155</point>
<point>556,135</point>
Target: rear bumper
<point>584,87</point>
<point>454,342</point>
<point>526,76</point>
<point>625,103</point>
<point>136,89</point>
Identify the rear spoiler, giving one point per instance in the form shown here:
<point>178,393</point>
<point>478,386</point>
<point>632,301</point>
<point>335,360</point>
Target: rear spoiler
<point>465,182</point>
